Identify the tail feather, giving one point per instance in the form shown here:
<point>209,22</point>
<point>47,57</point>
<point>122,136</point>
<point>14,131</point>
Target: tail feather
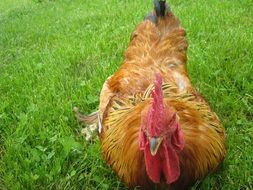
<point>86,119</point>
<point>161,7</point>
<point>92,124</point>
<point>152,17</point>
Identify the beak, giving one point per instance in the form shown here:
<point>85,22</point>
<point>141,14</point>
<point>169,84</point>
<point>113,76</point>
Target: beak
<point>154,144</point>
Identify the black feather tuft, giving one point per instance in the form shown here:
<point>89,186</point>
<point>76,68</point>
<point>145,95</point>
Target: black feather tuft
<point>161,7</point>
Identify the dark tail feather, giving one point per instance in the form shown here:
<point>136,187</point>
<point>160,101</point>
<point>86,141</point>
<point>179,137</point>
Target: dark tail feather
<point>161,7</point>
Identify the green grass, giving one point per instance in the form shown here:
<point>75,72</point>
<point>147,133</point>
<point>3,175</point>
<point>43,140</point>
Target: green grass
<point>56,54</point>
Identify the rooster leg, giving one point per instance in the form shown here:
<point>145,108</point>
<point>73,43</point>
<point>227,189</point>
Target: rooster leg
<point>90,121</point>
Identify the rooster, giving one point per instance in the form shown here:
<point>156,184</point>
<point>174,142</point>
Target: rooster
<point>156,131</point>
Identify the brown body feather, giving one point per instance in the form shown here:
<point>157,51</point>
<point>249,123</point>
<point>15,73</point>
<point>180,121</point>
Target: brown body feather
<point>157,47</point>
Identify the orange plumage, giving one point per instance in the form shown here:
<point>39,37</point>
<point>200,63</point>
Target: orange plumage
<point>158,46</point>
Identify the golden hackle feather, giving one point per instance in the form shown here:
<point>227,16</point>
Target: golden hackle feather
<point>203,132</point>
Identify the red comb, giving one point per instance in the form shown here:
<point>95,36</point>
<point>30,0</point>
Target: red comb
<point>157,93</point>
<point>157,108</point>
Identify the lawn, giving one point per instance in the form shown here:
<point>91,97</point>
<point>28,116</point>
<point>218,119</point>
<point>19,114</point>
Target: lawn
<point>55,55</point>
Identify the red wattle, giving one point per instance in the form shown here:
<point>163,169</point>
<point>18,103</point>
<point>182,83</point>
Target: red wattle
<point>166,161</point>
<point>171,169</point>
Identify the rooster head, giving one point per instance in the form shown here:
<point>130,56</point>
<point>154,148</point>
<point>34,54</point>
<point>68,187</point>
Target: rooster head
<point>161,138</point>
